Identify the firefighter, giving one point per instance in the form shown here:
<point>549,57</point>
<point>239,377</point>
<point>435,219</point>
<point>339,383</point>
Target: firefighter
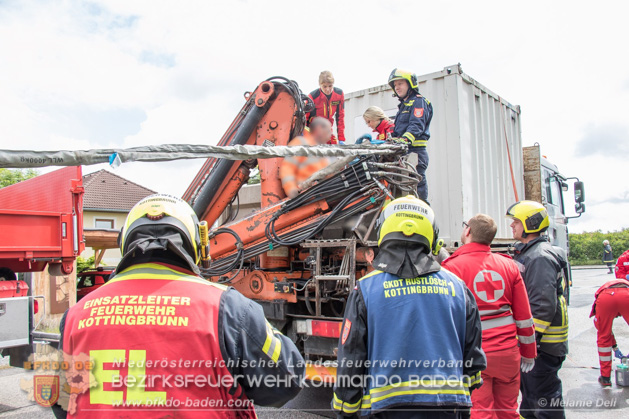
<point>157,320</point>
<point>608,256</point>
<point>410,343</point>
<point>329,103</point>
<point>622,266</point>
<point>610,301</point>
<point>297,169</point>
<point>412,122</point>
<point>542,270</point>
<point>508,333</point>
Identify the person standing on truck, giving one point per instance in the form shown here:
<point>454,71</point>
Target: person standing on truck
<point>508,332</point>
<point>410,343</point>
<point>610,301</point>
<point>542,270</point>
<point>329,103</point>
<point>608,256</point>
<point>379,122</point>
<point>412,122</point>
<point>297,169</point>
<point>157,320</point>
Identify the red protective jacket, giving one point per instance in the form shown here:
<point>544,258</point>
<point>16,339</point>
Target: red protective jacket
<point>622,266</point>
<point>385,127</point>
<point>329,108</point>
<point>495,281</point>
<point>614,283</point>
<point>183,346</point>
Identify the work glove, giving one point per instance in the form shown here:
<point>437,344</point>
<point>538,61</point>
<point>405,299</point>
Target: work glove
<point>617,352</point>
<point>400,140</point>
<point>363,138</point>
<point>527,364</point>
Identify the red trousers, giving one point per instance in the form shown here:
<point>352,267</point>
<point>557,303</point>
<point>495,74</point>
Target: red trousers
<point>611,303</point>
<point>498,396</point>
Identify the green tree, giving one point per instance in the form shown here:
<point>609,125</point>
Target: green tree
<point>11,176</point>
<point>84,264</point>
<point>587,248</point>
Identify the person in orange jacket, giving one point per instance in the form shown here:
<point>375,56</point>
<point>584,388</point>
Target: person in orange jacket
<point>508,332</point>
<point>330,104</point>
<point>297,169</point>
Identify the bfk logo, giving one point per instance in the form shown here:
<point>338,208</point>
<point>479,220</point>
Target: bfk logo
<point>46,389</point>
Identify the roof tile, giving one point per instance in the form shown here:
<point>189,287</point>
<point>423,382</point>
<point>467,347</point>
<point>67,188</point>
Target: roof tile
<point>107,191</point>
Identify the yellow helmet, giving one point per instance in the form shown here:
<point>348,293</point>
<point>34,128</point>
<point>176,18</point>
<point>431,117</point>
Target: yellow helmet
<point>408,219</point>
<point>533,216</point>
<point>160,214</point>
<point>399,74</point>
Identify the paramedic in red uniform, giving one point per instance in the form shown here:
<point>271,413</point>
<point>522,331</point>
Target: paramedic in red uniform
<point>506,319</point>
<point>611,301</point>
<point>185,342</point>
<point>330,104</point>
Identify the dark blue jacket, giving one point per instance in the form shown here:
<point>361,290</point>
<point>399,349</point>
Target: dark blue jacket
<point>412,121</point>
<point>409,342</point>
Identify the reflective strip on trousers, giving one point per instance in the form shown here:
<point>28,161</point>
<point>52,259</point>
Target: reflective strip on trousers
<point>605,358</point>
<point>499,322</point>
<point>501,310</point>
<point>605,349</point>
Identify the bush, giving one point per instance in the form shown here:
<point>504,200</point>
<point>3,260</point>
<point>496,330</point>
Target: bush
<point>84,264</point>
<point>587,248</point>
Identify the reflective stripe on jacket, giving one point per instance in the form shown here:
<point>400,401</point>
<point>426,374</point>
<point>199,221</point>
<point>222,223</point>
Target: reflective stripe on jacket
<point>495,282</point>
<point>622,266</point>
<point>542,267</point>
<point>410,342</point>
<point>154,321</point>
<point>412,122</point>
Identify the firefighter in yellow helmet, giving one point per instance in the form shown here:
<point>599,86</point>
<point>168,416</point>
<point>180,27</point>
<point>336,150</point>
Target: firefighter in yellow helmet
<point>412,311</point>
<point>542,267</point>
<point>157,318</point>
<point>412,122</point>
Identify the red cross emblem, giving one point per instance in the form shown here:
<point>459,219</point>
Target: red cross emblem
<point>489,286</point>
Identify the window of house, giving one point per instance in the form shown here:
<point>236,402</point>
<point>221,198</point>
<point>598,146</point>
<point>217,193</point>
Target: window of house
<point>104,223</point>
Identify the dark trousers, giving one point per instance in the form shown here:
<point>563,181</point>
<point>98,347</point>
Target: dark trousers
<point>610,265</point>
<point>541,389</point>
<point>423,412</point>
<point>422,165</point>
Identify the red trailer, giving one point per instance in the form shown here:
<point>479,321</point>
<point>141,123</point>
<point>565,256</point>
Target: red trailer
<point>41,224</point>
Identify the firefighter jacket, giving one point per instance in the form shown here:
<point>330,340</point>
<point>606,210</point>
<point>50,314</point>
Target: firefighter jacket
<point>495,281</point>
<point>331,108</point>
<point>622,266</point>
<point>408,342</point>
<point>384,127</point>
<point>190,346</point>
<point>412,122</point>
<point>615,283</point>
<point>297,169</point>
<point>542,267</point>
<point>608,256</point>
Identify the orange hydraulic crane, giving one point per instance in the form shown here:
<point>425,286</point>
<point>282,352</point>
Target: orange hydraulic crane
<point>298,258</point>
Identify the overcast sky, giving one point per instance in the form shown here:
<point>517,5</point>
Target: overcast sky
<point>79,75</point>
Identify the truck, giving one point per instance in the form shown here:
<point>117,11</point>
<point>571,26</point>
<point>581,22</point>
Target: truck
<point>41,226</point>
<point>299,258</point>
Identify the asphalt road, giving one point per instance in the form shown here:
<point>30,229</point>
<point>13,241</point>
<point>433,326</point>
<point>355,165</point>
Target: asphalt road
<point>583,396</point>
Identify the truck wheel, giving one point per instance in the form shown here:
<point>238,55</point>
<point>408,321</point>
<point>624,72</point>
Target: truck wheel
<point>7,274</point>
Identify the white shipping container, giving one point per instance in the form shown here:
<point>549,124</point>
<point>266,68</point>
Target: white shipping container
<point>475,148</point>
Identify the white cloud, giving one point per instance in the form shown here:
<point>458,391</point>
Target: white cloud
<point>165,72</point>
